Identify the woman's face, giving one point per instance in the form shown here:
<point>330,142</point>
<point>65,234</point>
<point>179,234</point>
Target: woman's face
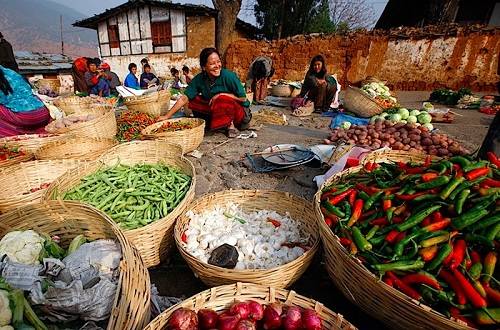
<point>92,67</point>
<point>214,65</point>
<point>133,70</point>
<point>317,66</point>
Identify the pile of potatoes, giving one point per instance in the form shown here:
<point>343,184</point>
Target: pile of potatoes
<point>398,136</point>
<point>68,121</point>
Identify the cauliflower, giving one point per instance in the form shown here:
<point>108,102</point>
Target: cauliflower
<point>5,312</point>
<point>22,246</point>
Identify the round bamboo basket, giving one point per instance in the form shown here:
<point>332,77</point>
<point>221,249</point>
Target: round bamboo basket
<point>252,200</point>
<point>155,104</point>
<point>104,126</point>
<point>281,90</point>
<point>52,84</point>
<point>30,142</point>
<point>188,139</point>
<point>75,148</point>
<point>381,156</point>
<point>73,104</point>
<point>154,241</point>
<point>94,108</point>
<point>221,298</point>
<point>363,288</point>
<point>359,103</point>
<point>16,160</point>
<point>131,309</point>
<point>17,180</point>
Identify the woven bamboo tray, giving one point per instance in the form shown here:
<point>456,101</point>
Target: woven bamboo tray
<point>359,103</point>
<point>281,90</point>
<point>363,288</point>
<point>30,142</point>
<point>104,126</point>
<point>75,148</point>
<point>251,200</point>
<point>73,104</point>
<point>154,241</point>
<point>381,156</point>
<point>221,297</point>
<point>155,104</point>
<point>131,309</point>
<point>188,139</point>
<point>16,160</point>
<point>20,178</point>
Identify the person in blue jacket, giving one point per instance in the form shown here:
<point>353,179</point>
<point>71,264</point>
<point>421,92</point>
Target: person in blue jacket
<point>131,79</point>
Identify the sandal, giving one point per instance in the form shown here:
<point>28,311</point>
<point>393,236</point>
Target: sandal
<point>232,133</point>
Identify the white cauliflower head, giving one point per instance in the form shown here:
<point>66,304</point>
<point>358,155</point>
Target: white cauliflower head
<point>5,312</point>
<point>22,246</point>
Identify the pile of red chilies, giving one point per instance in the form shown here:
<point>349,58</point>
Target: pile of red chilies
<point>430,230</point>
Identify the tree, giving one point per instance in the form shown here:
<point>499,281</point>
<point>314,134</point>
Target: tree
<point>227,13</point>
<point>441,11</point>
<point>321,22</point>
<point>353,13</point>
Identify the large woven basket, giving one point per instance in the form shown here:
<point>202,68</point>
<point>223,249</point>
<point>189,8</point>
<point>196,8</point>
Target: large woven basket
<point>251,200</point>
<point>221,298</point>
<point>188,139</point>
<point>30,142</point>
<point>363,288</point>
<point>75,148</point>
<point>154,241</point>
<point>131,309</point>
<point>16,160</point>
<point>359,103</point>
<point>73,104</point>
<point>17,180</point>
<point>52,84</point>
<point>281,90</point>
<point>104,126</point>
<point>155,104</point>
<point>383,155</point>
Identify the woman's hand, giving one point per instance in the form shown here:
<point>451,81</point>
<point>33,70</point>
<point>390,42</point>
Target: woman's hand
<point>321,81</point>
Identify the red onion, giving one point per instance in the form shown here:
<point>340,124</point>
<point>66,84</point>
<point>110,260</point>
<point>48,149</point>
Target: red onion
<point>207,319</point>
<point>240,308</point>
<point>245,325</point>
<point>272,316</point>
<point>183,319</point>
<point>311,320</point>
<point>256,310</point>
<point>292,320</point>
<point>227,321</point>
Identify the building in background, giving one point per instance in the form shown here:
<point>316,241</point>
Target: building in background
<point>168,34</point>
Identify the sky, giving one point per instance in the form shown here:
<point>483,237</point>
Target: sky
<point>92,7</point>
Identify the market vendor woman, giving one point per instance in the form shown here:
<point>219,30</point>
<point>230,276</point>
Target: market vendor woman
<point>319,86</point>
<point>21,112</point>
<point>216,95</point>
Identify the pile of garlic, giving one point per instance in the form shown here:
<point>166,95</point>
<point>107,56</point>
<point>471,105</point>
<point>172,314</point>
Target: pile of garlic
<point>259,242</point>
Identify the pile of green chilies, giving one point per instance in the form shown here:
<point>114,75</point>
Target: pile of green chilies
<point>430,230</point>
<point>133,196</point>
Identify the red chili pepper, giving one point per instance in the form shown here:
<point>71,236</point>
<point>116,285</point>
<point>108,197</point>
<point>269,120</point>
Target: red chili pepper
<point>184,237</point>
<point>367,214</point>
<point>455,312</point>
<point>455,285</point>
<point>328,221</point>
<point>437,216</point>
<point>352,197</point>
<point>458,171</point>
<point>391,236</point>
<point>419,278</point>
<point>327,194</point>
<point>351,162</point>
<point>389,281</point>
<point>379,222</point>
<point>491,183</point>
<point>400,237</point>
<point>403,287</point>
<point>475,257</point>
<point>447,260</point>
<point>437,225</point>
<point>368,190</point>
<point>429,176</point>
<point>345,241</point>
<point>426,222</point>
<point>274,222</point>
<point>356,212</point>
<point>415,170</point>
<point>493,158</point>
<point>428,161</point>
<point>338,198</point>
<point>397,220</point>
<point>410,197</point>
<point>470,292</point>
<point>492,294</point>
<point>458,253</point>
<point>428,253</point>
<point>477,173</point>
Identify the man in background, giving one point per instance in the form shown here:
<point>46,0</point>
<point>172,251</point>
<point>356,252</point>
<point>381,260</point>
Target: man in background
<point>7,58</point>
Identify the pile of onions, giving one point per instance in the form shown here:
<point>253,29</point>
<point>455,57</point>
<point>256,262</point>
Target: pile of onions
<point>246,315</point>
<point>398,136</point>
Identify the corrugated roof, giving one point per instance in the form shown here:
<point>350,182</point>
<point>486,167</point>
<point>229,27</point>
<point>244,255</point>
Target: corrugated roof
<point>34,62</point>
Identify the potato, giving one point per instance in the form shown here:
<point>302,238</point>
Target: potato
<point>436,139</point>
<point>375,145</point>
<point>406,147</point>
<point>397,134</point>
<point>376,135</point>
<point>386,144</point>
<point>406,141</point>
<point>391,130</point>
<point>397,146</point>
<point>413,144</point>
<point>442,152</point>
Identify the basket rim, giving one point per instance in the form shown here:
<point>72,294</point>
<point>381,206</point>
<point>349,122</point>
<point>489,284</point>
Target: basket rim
<point>307,254</point>
<point>198,121</point>
<point>68,130</point>
<point>73,139</point>
<point>359,92</point>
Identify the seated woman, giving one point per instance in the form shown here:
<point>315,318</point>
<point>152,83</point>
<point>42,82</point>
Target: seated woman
<point>258,77</point>
<point>97,81</point>
<point>148,78</point>
<point>216,95</point>
<point>319,87</point>
<point>21,112</point>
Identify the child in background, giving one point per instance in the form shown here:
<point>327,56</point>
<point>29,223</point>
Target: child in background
<point>177,81</point>
<point>131,80</point>
<point>148,79</point>
<point>186,75</point>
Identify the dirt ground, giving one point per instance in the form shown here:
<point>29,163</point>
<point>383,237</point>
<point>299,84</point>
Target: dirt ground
<point>223,166</point>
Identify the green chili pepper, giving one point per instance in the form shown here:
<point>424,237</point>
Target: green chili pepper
<point>493,232</point>
<point>479,239</point>
<point>473,166</point>
<point>443,252</point>
<point>485,223</point>
<point>462,197</point>
<point>440,181</point>
<point>360,241</point>
<point>376,241</point>
<point>390,213</point>
<point>462,161</point>
<point>373,198</point>
<point>364,196</point>
<point>406,265</point>
<point>332,209</point>
<point>440,168</point>
<point>372,232</point>
<point>452,185</point>
<point>400,246</point>
<point>475,270</point>
<point>426,197</point>
<point>417,218</point>
<point>469,218</point>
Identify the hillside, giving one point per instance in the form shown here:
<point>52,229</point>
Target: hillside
<point>34,25</point>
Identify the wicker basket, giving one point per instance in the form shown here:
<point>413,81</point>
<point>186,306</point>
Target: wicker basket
<point>75,148</point>
<point>155,104</point>
<point>281,90</point>
<point>188,139</point>
<point>381,156</point>
<point>73,104</point>
<point>52,84</point>
<point>30,142</point>
<point>154,241</point>
<point>104,126</point>
<point>221,298</point>
<point>250,200</point>
<point>363,288</point>
<point>20,178</point>
<point>359,103</point>
<point>4,164</point>
<point>131,309</point>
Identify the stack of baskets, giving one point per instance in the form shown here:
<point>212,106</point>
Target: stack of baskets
<point>156,104</point>
<point>75,148</point>
<point>52,84</point>
<point>73,104</point>
<point>155,240</point>
<point>361,104</point>
<point>30,142</point>
<point>188,139</point>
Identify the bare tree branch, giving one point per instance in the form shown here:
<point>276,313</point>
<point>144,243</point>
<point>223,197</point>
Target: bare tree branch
<point>354,13</point>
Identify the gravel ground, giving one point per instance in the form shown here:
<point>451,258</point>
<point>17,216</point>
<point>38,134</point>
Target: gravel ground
<point>223,166</point>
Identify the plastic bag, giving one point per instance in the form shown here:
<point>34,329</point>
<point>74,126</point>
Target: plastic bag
<point>339,118</point>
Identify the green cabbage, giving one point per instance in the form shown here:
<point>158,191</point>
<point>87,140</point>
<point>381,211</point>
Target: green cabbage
<point>395,117</point>
<point>424,118</point>
<point>428,126</point>
<point>411,120</point>
<point>414,113</point>
<point>404,113</point>
<point>374,119</point>
<point>345,125</point>
<point>427,106</point>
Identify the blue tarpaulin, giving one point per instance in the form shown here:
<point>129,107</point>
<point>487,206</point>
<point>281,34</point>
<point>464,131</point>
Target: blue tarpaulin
<point>339,118</point>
